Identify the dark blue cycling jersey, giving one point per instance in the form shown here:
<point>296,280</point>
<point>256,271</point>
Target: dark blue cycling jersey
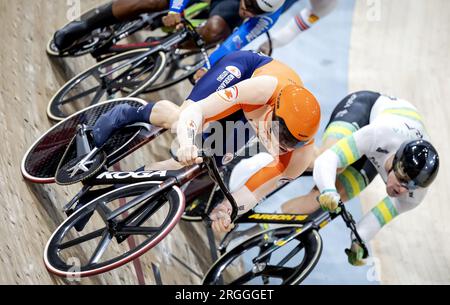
<point>230,70</point>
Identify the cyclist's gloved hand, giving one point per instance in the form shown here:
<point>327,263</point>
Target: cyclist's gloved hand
<point>118,117</point>
<point>356,254</point>
<point>329,200</point>
<point>221,220</point>
<point>188,155</point>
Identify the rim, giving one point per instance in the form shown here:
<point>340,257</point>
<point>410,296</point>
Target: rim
<point>125,257</point>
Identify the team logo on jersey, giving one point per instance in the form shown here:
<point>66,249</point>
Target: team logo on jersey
<point>237,42</point>
<point>191,125</point>
<point>234,70</point>
<point>382,151</point>
<point>264,23</point>
<point>227,76</point>
<point>229,94</point>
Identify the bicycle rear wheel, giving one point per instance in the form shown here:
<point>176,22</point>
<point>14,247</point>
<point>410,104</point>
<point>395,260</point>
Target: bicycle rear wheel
<point>96,84</point>
<point>290,264</point>
<point>181,64</point>
<point>99,245</point>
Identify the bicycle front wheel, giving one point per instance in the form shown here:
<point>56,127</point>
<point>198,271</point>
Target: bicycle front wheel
<point>89,242</point>
<point>105,81</point>
<point>290,264</point>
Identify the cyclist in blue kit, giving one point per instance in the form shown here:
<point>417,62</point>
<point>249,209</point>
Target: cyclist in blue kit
<point>250,18</point>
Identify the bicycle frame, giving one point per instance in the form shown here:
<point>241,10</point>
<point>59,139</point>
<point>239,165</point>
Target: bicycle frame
<point>149,19</point>
<point>165,46</point>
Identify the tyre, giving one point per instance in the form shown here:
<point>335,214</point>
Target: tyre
<point>92,86</point>
<point>290,264</point>
<point>87,244</point>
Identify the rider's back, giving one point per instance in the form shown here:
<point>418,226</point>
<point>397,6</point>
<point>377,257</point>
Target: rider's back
<point>227,72</point>
<point>242,65</point>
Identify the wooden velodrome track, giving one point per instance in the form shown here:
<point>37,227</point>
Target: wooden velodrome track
<point>404,52</point>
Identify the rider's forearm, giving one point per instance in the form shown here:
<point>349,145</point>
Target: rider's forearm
<point>302,21</point>
<point>386,210</point>
<point>344,153</point>
<point>246,33</point>
<point>177,6</point>
<point>383,213</point>
<point>189,124</point>
<point>325,169</point>
<point>245,200</point>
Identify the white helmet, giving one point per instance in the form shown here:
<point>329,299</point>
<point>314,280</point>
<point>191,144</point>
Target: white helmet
<point>270,6</point>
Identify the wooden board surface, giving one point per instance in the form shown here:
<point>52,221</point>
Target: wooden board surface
<point>406,53</point>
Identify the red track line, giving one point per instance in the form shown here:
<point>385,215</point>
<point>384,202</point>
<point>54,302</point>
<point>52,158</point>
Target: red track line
<point>132,243</point>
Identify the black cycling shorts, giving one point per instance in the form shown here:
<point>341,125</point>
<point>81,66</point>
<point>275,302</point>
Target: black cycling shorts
<point>351,114</point>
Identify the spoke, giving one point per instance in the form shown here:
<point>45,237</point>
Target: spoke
<point>97,73</point>
<point>129,78</point>
<point>103,211</point>
<point>80,95</point>
<point>291,254</point>
<point>143,71</point>
<point>140,215</point>
<point>81,239</point>
<point>138,231</point>
<point>101,248</point>
<point>98,96</point>
<point>277,271</point>
<point>129,69</point>
<point>244,278</point>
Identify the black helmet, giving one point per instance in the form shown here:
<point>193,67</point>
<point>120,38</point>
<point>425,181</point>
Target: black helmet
<point>417,162</point>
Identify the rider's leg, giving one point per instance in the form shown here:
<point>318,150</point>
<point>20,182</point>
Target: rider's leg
<point>129,9</point>
<point>105,15</point>
<point>161,114</point>
<point>165,114</point>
